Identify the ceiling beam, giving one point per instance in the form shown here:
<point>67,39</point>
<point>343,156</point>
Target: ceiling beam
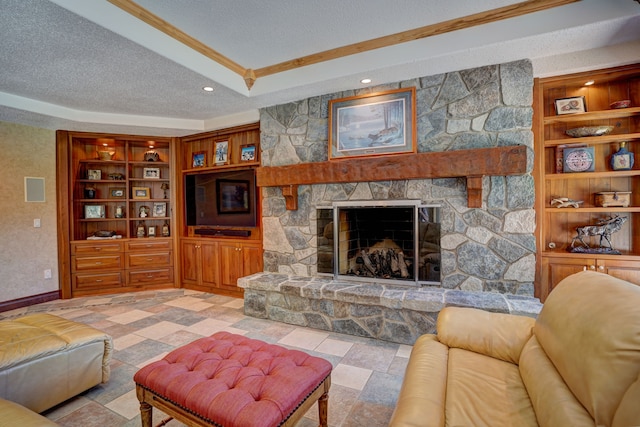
<point>250,76</point>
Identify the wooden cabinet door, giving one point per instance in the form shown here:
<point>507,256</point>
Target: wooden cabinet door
<point>190,262</point>
<point>252,259</point>
<point>209,263</point>
<point>231,264</point>
<point>625,270</point>
<point>554,269</point>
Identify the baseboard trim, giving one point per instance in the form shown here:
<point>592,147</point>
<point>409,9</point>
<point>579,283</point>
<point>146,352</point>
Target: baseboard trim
<point>27,301</point>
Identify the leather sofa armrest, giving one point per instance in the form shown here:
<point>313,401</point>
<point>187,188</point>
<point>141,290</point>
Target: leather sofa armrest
<point>498,335</point>
<point>421,401</point>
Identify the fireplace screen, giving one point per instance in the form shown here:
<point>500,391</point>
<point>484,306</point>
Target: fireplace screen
<point>400,242</point>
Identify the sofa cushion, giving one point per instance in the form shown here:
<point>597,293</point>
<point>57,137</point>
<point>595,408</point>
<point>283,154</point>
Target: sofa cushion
<point>497,335</point>
<point>484,391</point>
<point>598,363</point>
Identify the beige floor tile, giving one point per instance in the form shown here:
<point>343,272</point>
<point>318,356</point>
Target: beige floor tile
<point>159,330</point>
<point>334,347</point>
<point>126,405</point>
<point>207,327</point>
<point>350,376</point>
<point>127,341</point>
<point>304,338</point>
<point>237,303</point>
<point>129,316</point>
<point>404,351</point>
<point>189,303</point>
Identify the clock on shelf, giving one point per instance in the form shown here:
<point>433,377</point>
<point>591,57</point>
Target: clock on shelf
<point>579,159</point>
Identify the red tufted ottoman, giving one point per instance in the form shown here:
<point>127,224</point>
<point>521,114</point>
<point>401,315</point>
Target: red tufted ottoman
<point>232,381</point>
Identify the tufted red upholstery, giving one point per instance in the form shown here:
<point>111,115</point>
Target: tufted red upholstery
<point>234,381</point>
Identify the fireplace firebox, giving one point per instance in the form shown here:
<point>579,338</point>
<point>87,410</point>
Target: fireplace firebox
<point>396,241</point>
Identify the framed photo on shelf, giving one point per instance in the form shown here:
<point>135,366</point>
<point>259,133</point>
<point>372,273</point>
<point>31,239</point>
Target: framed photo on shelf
<point>94,174</point>
<point>248,153</point>
<point>151,231</point>
<point>159,209</point>
<point>221,153</point>
<point>151,173</point>
<point>117,192</point>
<point>198,160</point>
<point>233,196</point>
<point>373,124</point>
<point>140,192</point>
<point>94,211</point>
<point>575,104</point>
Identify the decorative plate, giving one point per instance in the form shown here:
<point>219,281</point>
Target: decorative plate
<point>578,159</point>
<point>625,103</point>
<point>589,131</point>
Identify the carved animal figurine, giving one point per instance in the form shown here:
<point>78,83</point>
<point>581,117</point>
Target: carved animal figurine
<point>565,202</point>
<point>604,229</point>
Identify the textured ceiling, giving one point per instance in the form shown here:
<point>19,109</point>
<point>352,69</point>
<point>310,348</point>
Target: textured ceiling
<point>88,65</point>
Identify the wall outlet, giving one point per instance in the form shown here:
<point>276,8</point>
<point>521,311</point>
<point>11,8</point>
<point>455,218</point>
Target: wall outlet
<point>36,223</point>
<point>47,274</point>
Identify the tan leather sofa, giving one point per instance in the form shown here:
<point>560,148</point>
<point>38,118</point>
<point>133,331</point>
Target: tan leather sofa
<point>578,364</point>
<point>45,360</point>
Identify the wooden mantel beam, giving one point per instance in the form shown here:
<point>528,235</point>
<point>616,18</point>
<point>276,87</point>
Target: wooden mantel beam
<point>472,164</point>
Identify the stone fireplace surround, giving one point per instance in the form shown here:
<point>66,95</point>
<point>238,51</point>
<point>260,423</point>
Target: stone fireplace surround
<point>488,253</point>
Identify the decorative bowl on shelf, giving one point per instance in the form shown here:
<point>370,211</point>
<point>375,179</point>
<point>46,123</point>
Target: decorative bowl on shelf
<point>625,103</point>
<point>106,155</point>
<point>589,131</point>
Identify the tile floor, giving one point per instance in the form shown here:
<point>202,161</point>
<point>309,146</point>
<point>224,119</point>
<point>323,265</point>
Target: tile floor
<point>145,326</point>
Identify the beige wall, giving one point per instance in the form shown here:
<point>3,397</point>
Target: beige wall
<point>25,251</point>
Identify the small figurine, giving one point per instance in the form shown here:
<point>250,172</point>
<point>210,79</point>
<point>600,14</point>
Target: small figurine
<point>604,228</point>
<point>565,202</point>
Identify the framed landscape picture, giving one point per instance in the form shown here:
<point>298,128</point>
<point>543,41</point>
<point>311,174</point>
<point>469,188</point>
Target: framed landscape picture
<point>373,124</point>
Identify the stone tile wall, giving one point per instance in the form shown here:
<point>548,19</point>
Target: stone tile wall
<point>488,249</point>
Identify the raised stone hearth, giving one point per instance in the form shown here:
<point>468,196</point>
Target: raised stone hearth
<point>387,312</point>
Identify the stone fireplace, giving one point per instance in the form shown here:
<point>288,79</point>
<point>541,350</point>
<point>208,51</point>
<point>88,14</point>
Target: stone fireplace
<point>487,254</point>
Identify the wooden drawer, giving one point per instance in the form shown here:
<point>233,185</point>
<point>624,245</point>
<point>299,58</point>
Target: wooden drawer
<point>97,247</point>
<point>146,277</point>
<point>102,262</point>
<point>97,281</point>
<point>149,260</point>
<point>149,245</point>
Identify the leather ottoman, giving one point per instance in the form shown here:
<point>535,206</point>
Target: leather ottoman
<point>233,381</point>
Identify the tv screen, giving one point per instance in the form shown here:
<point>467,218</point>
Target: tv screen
<point>226,199</point>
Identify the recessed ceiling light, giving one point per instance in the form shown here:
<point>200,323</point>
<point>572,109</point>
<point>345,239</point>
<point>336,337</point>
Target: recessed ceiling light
<point>365,81</point>
<point>589,83</point>
<point>207,89</point>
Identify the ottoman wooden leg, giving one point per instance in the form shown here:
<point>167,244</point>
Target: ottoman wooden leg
<point>146,414</point>
<point>323,409</point>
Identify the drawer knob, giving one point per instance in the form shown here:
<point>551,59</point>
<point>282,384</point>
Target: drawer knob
<point>98,262</point>
<point>98,280</point>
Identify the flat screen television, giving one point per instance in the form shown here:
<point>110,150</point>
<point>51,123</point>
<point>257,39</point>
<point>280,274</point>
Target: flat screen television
<point>221,199</point>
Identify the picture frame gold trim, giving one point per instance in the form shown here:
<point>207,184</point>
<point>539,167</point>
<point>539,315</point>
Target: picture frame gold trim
<point>375,124</point>
<point>140,193</point>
